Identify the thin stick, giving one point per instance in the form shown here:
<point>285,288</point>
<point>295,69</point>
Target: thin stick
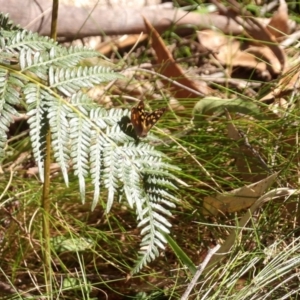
<point>201,268</point>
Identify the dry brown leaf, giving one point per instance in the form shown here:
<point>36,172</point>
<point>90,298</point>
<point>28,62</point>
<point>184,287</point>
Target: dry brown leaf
<point>264,53</point>
<point>289,82</point>
<point>237,199</point>
<point>257,31</point>
<point>234,235</point>
<point>278,25</point>
<point>170,69</point>
<point>215,41</point>
<point>227,50</point>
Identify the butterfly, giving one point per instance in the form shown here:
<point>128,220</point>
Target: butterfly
<point>143,121</point>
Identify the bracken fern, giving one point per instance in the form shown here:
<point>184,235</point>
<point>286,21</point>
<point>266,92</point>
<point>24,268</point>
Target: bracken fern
<point>84,135</point>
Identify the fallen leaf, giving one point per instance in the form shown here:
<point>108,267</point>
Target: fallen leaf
<point>169,68</point>
<point>238,199</point>
<point>290,81</point>
<point>215,106</point>
<point>226,50</point>
<point>279,193</point>
<point>278,25</point>
<point>257,31</point>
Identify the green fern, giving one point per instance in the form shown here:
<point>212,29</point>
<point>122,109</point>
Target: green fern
<point>84,135</point>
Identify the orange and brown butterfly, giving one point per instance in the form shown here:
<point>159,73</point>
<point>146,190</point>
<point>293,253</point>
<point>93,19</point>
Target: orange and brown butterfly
<point>143,121</point>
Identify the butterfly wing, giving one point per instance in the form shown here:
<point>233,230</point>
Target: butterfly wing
<point>152,118</point>
<point>138,117</point>
<point>143,121</point>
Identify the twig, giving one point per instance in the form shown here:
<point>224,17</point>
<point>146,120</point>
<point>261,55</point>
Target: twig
<point>198,93</point>
<point>201,268</point>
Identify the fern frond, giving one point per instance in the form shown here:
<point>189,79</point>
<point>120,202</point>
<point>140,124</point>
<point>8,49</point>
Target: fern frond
<point>59,126</point>
<point>8,24</point>
<point>37,110</point>
<point>80,147</point>
<point>97,142</point>
<point>154,221</point>
<point>23,39</point>
<point>9,96</point>
<point>152,240</point>
<point>111,161</point>
<point>69,81</point>
<point>145,178</point>
<point>70,57</point>
<point>132,179</point>
<point>57,57</point>
<point>84,136</point>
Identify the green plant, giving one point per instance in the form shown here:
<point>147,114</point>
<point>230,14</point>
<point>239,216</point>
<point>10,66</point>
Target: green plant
<point>51,81</point>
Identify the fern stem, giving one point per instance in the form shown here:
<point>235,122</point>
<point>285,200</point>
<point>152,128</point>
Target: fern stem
<point>46,201</point>
<point>54,19</point>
